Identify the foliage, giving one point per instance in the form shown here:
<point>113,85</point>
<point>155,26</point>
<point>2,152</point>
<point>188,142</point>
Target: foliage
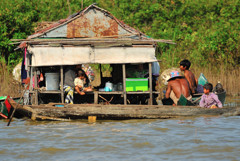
<point>206,32</point>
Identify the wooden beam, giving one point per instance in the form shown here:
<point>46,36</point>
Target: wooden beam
<point>100,67</point>
<point>124,84</point>
<point>35,86</point>
<point>30,86</point>
<point>62,92</point>
<point>39,117</point>
<point>150,83</point>
<point>103,39</point>
<point>95,97</point>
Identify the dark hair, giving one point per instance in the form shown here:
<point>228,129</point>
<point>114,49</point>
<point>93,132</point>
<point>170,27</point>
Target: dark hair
<point>80,73</point>
<point>185,63</point>
<point>208,86</point>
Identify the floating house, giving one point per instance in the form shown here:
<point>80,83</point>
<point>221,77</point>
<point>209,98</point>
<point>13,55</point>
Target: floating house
<point>91,36</point>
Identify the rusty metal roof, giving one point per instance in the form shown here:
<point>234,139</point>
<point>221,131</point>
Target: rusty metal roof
<point>92,25</point>
<point>92,21</point>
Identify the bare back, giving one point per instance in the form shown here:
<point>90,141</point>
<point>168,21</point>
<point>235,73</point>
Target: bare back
<point>191,80</point>
<point>178,86</point>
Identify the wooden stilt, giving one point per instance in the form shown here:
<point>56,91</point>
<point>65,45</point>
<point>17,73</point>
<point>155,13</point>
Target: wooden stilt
<point>100,67</point>
<point>62,92</point>
<point>30,86</point>
<point>124,84</point>
<point>33,117</point>
<point>150,83</point>
<point>35,86</point>
<point>95,97</point>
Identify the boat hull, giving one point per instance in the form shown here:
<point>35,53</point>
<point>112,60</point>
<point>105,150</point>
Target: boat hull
<point>113,112</point>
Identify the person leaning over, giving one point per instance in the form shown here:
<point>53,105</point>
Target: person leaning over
<point>209,99</point>
<point>184,66</point>
<point>177,86</point>
<point>79,82</point>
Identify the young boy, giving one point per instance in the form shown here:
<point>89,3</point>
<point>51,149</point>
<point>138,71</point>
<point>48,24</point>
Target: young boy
<point>184,66</point>
<point>79,82</point>
<point>209,99</point>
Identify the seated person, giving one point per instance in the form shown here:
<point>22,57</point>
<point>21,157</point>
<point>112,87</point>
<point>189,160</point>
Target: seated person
<point>184,66</point>
<point>177,86</point>
<point>209,99</point>
<point>80,83</point>
<point>69,75</point>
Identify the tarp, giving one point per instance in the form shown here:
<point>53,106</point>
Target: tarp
<point>50,56</point>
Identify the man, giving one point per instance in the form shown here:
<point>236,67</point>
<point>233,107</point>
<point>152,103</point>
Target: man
<point>184,66</point>
<point>177,86</point>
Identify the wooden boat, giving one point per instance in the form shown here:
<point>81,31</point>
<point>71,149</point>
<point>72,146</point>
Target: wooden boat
<point>66,112</point>
<point>221,97</point>
<point>5,107</point>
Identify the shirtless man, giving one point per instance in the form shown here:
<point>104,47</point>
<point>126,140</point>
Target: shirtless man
<point>184,66</point>
<point>177,85</point>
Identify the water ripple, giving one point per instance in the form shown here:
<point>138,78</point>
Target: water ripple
<point>202,138</point>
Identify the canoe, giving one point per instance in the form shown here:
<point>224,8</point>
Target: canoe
<point>66,112</point>
<point>195,99</point>
<point>5,107</point>
<point>221,96</point>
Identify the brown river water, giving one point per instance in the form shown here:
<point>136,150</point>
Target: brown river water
<point>193,138</point>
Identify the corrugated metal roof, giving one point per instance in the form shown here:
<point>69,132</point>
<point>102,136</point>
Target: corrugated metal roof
<point>92,25</point>
<point>92,21</point>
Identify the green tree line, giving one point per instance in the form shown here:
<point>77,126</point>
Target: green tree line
<point>206,32</point>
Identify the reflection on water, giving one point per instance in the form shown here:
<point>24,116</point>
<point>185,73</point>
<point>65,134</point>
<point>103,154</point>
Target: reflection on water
<point>232,101</point>
<point>211,138</point>
<point>195,138</point>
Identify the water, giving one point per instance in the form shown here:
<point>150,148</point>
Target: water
<point>193,139</point>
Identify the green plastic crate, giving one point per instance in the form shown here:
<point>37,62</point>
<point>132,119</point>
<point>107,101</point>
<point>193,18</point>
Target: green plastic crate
<point>136,84</point>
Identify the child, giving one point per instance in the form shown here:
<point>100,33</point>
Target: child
<point>184,66</point>
<point>79,82</point>
<point>209,99</point>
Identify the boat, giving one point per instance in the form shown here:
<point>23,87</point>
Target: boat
<point>5,106</point>
<point>197,97</point>
<point>67,112</point>
<point>3,109</point>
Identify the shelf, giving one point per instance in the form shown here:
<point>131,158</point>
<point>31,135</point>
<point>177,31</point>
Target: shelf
<point>51,92</point>
<point>99,92</point>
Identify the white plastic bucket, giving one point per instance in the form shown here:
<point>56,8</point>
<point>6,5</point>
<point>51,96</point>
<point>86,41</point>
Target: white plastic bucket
<point>52,81</point>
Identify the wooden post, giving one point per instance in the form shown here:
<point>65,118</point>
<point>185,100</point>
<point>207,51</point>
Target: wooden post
<point>100,67</point>
<point>124,84</point>
<point>35,86</point>
<point>62,92</point>
<point>95,97</point>
<point>150,83</point>
<point>30,86</point>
